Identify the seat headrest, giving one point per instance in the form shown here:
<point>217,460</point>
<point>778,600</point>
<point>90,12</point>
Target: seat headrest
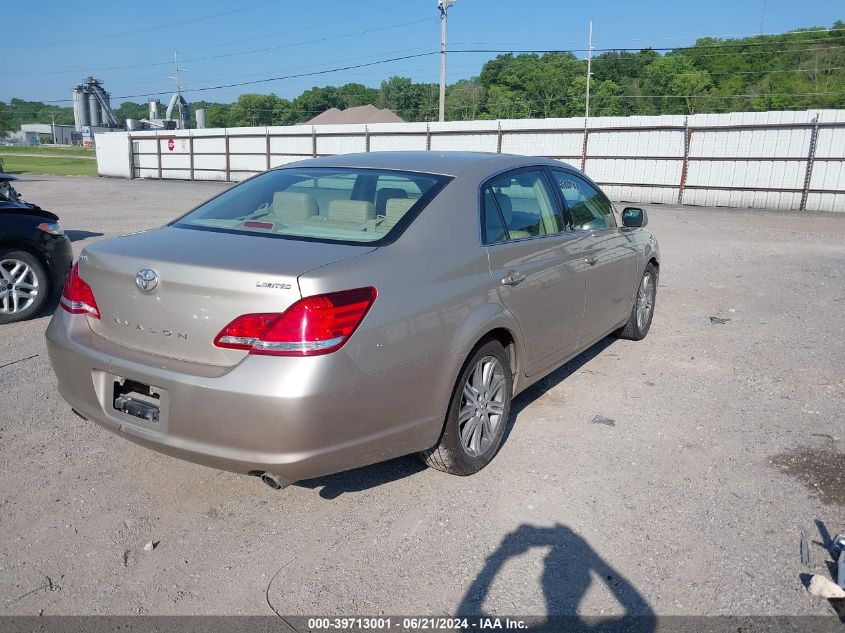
<point>294,206</point>
<point>385,194</point>
<point>356,211</point>
<point>395,209</point>
<point>506,205</point>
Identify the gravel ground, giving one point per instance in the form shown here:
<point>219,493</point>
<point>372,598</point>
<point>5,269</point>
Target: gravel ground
<point>670,476</point>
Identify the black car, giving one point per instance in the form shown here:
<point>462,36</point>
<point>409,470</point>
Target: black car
<point>35,255</point>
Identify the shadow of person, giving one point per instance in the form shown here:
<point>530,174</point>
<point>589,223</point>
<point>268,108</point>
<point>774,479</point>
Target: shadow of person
<point>568,570</point>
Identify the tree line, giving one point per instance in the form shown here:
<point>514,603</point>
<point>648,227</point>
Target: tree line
<point>794,71</point>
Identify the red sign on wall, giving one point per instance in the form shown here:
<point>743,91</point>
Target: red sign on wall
<point>171,144</point>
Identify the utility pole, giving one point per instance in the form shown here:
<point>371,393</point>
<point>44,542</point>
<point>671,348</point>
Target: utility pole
<point>763,18</point>
<point>53,120</point>
<point>178,88</point>
<point>589,73</point>
<point>443,5</point>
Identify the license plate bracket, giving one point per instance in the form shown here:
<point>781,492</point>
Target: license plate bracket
<point>137,400</point>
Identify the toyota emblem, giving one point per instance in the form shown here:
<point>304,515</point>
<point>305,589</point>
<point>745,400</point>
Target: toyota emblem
<point>146,280</point>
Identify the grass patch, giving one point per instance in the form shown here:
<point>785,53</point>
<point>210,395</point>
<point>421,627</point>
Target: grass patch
<point>52,165</point>
<point>55,150</point>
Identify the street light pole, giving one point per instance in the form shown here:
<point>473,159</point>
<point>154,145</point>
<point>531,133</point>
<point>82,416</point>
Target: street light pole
<point>443,5</point>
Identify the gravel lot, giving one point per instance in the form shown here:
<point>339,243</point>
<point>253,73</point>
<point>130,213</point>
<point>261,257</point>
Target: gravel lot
<point>671,476</point>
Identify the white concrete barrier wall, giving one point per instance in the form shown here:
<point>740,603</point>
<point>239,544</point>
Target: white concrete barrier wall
<point>744,159</point>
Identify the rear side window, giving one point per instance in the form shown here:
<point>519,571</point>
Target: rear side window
<point>518,206</point>
<point>589,208</point>
<point>333,205</point>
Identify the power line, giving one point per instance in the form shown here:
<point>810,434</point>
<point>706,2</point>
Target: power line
<point>220,56</point>
<point>415,56</point>
<point>307,27</point>
<point>695,49</point>
<point>149,29</point>
<point>269,79</point>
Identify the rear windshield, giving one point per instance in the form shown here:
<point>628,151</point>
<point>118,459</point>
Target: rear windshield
<point>322,204</point>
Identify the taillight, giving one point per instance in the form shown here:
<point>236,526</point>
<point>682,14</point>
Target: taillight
<point>77,297</point>
<point>314,325</point>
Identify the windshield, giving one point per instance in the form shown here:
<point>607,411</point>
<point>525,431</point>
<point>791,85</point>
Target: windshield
<point>324,204</point>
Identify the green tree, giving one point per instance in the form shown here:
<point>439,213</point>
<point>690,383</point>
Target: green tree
<point>354,95</point>
<point>316,100</point>
<point>251,110</point>
<point>464,100</point>
<point>130,110</point>
<point>5,119</point>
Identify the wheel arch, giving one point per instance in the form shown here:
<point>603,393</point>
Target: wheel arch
<point>493,322</point>
<point>23,245</point>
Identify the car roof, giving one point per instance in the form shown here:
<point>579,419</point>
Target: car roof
<point>432,162</point>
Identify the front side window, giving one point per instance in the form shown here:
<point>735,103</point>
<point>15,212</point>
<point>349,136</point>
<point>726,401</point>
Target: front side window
<point>323,204</point>
<point>517,206</point>
<point>589,208</point>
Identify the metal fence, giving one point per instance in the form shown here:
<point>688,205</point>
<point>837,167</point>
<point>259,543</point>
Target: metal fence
<point>781,160</point>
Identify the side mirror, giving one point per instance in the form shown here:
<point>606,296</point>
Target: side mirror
<point>634,218</point>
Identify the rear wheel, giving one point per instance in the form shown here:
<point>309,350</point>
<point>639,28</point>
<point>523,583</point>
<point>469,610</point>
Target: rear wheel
<point>478,414</point>
<point>639,321</point>
<point>23,285</point>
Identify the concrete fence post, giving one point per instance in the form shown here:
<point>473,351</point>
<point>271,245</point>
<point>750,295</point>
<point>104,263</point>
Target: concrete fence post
<point>313,141</point>
<point>811,158</point>
<point>427,137</point>
<point>267,147</point>
<point>366,138</point>
<point>499,138</point>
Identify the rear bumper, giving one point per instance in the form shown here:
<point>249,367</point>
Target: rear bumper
<point>294,417</point>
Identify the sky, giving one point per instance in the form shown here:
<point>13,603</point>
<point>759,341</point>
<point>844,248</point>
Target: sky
<point>47,48</point>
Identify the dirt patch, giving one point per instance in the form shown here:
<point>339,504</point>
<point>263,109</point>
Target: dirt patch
<point>820,468</point>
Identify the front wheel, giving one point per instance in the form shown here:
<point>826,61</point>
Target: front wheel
<point>639,321</point>
<point>23,285</point>
<point>478,414</point>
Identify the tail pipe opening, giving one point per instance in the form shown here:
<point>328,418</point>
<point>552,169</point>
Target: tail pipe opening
<point>274,481</point>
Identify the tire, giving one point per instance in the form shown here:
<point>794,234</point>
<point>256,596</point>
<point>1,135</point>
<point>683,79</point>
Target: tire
<point>642,312</point>
<point>24,286</point>
<point>464,450</point>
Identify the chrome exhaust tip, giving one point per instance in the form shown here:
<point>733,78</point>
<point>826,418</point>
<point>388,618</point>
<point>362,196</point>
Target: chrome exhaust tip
<point>274,481</point>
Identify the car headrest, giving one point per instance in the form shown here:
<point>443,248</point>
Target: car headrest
<point>384,195</point>
<point>357,211</point>
<point>395,209</point>
<point>294,206</point>
<point>506,205</point>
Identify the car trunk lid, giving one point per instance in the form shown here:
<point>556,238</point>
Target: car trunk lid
<point>203,280</point>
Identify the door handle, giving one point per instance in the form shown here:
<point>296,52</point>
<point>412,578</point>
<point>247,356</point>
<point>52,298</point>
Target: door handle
<point>512,278</point>
<point>592,260</point>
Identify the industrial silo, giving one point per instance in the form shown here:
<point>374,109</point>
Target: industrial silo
<point>93,109</point>
<point>200,114</point>
<point>80,109</point>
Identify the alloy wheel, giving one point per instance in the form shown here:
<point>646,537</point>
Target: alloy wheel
<point>645,300</point>
<point>482,406</point>
<point>18,286</point>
